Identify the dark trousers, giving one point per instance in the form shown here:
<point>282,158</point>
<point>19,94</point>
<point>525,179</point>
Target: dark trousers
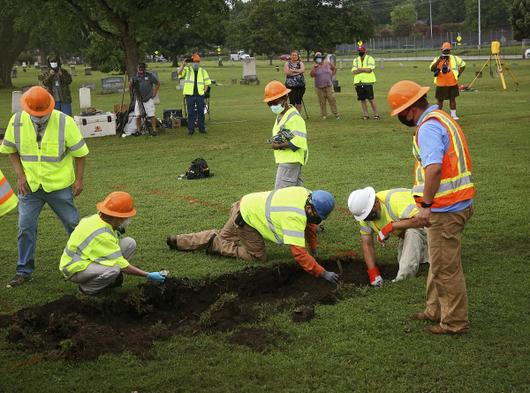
<point>191,101</point>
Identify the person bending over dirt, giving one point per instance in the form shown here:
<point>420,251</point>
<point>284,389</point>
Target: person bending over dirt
<point>95,257</point>
<point>285,216</point>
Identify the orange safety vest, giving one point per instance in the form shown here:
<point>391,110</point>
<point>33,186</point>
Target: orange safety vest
<point>456,184</point>
<point>8,199</point>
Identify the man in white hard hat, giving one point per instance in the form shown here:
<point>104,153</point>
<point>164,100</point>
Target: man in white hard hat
<point>384,213</point>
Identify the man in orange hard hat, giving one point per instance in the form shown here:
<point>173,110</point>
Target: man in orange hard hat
<point>43,145</point>
<point>95,256</point>
<point>444,191</point>
<point>289,136</point>
<point>447,69</point>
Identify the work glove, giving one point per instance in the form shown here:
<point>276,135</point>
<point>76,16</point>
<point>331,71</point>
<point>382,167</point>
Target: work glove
<point>156,277</point>
<point>331,277</point>
<point>378,282</point>
<point>384,233</point>
<point>375,277</point>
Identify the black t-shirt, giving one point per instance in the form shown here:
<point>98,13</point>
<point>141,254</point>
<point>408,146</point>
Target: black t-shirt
<point>146,84</point>
<point>195,89</point>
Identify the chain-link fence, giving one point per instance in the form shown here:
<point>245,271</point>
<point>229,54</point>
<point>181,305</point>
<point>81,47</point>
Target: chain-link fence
<point>418,46</point>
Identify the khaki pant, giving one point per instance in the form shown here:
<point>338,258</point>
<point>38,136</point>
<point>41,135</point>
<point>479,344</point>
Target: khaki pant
<point>446,286</point>
<point>412,250</point>
<point>326,93</point>
<point>97,277</point>
<point>232,241</point>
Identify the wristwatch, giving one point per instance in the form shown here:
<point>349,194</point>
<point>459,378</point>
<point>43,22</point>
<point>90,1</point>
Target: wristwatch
<point>426,205</point>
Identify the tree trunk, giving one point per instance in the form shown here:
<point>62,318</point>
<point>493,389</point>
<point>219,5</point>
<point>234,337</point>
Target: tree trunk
<point>12,44</point>
<point>270,59</point>
<point>130,47</point>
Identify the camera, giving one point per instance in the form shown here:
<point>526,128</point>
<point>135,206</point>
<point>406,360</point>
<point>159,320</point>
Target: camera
<point>436,73</point>
<point>445,69</point>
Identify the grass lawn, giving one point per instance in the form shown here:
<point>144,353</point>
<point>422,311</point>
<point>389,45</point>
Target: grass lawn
<point>365,342</point>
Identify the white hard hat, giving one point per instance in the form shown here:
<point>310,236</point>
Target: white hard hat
<point>361,202</point>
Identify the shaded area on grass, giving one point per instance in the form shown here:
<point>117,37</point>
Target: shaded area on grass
<point>83,328</point>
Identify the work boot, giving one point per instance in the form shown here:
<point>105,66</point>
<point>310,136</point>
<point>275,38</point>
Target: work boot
<point>209,246</point>
<point>171,241</point>
<point>18,280</point>
<point>437,329</point>
<point>421,316</point>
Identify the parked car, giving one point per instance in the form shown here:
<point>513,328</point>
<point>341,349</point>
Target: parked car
<point>285,57</point>
<point>526,54</point>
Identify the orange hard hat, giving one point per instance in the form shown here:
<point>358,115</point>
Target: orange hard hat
<point>117,204</point>
<point>446,46</point>
<point>195,57</point>
<point>37,101</point>
<point>403,94</point>
<point>274,90</point>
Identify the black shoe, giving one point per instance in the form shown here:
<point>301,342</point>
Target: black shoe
<point>118,282</point>
<point>18,280</point>
<point>171,241</point>
<point>202,132</point>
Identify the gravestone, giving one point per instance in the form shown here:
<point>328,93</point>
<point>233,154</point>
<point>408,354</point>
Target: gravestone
<point>91,86</point>
<point>174,75</point>
<point>88,71</point>
<point>112,84</point>
<point>72,70</point>
<point>13,73</point>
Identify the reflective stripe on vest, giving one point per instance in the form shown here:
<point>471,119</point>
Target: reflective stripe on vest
<point>35,158</point>
<point>281,209</point>
<point>389,206</point>
<point>190,78</point>
<point>77,255</point>
<point>459,181</point>
<point>289,117</point>
<point>8,199</point>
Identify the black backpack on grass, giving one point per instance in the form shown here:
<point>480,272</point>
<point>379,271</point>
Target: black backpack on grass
<point>198,169</point>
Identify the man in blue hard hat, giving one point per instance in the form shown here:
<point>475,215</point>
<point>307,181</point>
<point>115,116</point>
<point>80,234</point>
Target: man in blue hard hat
<point>283,216</point>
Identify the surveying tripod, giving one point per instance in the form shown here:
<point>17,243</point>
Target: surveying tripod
<point>495,54</point>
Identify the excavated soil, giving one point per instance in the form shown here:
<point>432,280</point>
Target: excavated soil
<point>82,328</point>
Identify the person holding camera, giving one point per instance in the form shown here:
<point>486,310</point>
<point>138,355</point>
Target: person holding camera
<point>57,81</point>
<point>196,88</point>
<point>447,69</point>
<point>294,71</point>
<point>144,86</point>
<point>323,72</point>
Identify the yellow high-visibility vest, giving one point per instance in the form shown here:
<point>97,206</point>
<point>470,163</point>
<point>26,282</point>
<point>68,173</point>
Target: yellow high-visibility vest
<point>92,241</point>
<point>396,205</point>
<point>279,215</point>
<point>293,121</point>
<point>49,162</point>
<point>364,77</point>
<point>203,80</point>
<point>8,199</point>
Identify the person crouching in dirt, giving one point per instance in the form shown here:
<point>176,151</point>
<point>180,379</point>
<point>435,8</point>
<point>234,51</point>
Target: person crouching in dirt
<point>95,257</point>
<point>381,214</point>
<point>283,216</point>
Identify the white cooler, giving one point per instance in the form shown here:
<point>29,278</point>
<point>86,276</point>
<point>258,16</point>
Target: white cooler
<point>97,125</point>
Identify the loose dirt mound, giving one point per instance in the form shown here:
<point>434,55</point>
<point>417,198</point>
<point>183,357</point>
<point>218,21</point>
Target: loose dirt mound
<point>83,328</point>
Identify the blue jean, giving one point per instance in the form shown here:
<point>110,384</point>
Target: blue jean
<point>190,103</point>
<point>29,208</point>
<point>65,107</point>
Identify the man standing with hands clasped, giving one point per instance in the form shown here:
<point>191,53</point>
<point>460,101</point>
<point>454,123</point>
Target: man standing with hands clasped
<point>43,146</point>
<point>444,191</point>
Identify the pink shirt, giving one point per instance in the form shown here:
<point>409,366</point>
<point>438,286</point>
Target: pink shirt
<point>323,75</point>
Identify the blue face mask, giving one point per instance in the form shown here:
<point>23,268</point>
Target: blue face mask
<point>195,66</point>
<point>277,109</point>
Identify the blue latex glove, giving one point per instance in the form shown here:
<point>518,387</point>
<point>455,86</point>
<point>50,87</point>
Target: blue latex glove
<point>332,277</point>
<point>156,277</point>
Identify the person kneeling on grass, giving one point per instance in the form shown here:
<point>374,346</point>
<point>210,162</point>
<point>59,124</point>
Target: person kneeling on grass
<point>95,257</point>
<point>384,213</point>
<point>285,216</point>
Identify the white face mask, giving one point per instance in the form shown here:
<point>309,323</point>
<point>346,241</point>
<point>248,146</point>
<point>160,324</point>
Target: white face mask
<point>195,66</point>
<point>39,120</point>
<point>53,65</point>
<point>125,223</point>
<point>319,60</point>
<point>277,109</point>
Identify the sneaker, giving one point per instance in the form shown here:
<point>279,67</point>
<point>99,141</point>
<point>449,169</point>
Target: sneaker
<point>124,135</point>
<point>323,117</point>
<point>366,117</point>
<point>377,117</point>
<point>337,117</point>
<point>18,280</point>
<point>455,117</point>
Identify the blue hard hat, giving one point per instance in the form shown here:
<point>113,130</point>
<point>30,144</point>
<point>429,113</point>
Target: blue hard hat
<point>323,202</point>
